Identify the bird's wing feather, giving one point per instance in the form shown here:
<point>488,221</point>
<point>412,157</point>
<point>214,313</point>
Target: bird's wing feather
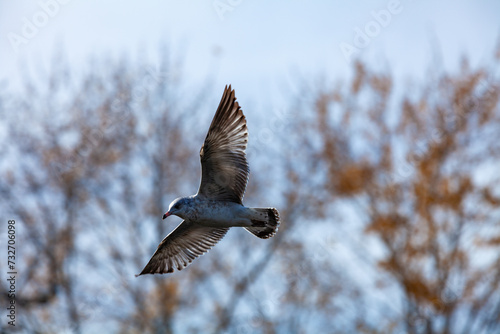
<point>223,160</point>
<point>182,246</point>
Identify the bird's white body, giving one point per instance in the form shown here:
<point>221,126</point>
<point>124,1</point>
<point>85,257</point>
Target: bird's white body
<point>217,214</point>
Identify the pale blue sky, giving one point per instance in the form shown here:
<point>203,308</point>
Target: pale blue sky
<point>254,45</point>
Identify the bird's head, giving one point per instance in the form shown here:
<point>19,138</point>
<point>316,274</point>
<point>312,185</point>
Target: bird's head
<point>178,207</point>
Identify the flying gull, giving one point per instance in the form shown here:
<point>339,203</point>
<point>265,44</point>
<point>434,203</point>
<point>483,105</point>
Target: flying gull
<point>218,205</point>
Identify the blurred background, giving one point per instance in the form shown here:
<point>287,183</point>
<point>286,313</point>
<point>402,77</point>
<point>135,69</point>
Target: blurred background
<point>374,129</point>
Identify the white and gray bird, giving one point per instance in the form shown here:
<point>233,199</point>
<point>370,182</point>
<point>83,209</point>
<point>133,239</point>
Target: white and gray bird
<point>218,205</point>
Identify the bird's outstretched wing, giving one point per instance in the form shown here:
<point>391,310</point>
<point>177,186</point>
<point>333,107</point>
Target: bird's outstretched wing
<point>182,246</point>
<point>224,167</point>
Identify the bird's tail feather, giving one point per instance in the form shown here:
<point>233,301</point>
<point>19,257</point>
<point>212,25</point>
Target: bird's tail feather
<point>266,223</point>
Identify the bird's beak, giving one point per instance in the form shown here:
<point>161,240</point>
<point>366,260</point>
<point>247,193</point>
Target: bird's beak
<point>166,214</point>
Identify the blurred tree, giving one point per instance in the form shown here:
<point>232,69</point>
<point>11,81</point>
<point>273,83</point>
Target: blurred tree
<point>423,177</point>
<point>389,209</point>
<point>92,159</point>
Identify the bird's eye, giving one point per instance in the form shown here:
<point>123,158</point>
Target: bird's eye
<point>176,207</point>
